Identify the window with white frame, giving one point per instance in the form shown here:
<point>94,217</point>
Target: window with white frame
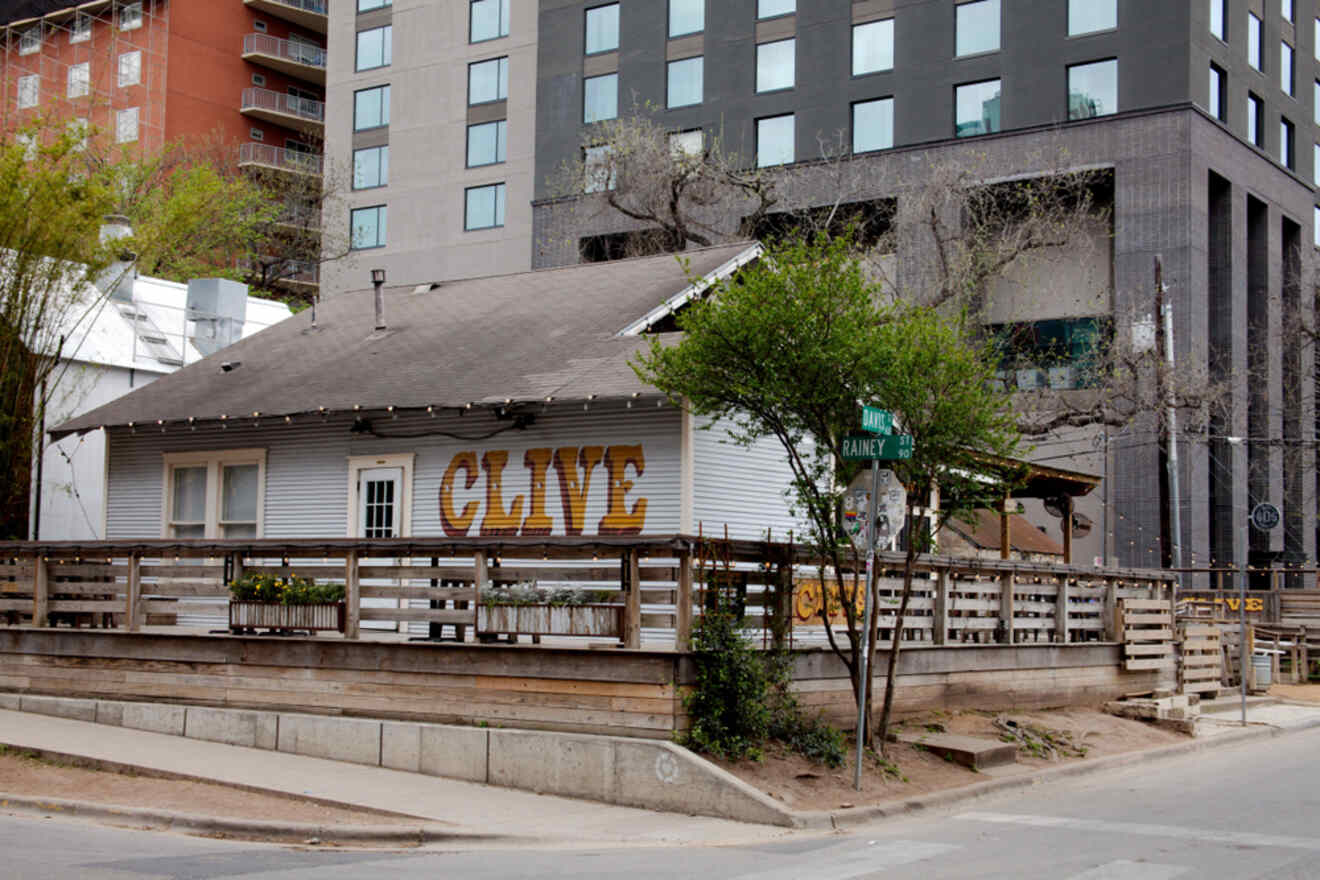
<point>873,46</point>
<point>29,91</point>
<point>130,16</point>
<point>29,144</point>
<point>375,47</point>
<point>126,125</point>
<point>776,65</point>
<point>130,69</point>
<point>29,41</point>
<point>80,79</point>
<point>78,130</point>
<point>483,207</point>
<point>487,20</point>
<point>214,494</point>
<point>81,29</point>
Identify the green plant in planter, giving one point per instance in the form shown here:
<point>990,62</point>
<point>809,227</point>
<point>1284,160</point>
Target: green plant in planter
<point>530,594</point>
<point>293,590</point>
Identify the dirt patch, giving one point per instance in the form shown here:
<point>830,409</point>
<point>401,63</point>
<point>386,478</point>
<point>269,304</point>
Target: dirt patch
<point>803,785</point>
<point>1301,693</point>
<point>25,776</point>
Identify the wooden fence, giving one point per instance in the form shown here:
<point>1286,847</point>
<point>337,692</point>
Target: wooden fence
<point>659,583</point>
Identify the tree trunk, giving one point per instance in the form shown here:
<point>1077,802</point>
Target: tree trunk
<point>909,563</point>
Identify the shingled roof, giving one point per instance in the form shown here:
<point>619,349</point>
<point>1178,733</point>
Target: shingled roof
<point>525,337</point>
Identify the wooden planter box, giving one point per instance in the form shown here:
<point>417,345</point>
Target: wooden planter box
<point>273,615</point>
<point>552,620</point>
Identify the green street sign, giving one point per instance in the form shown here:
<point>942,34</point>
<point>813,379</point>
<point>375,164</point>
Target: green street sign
<point>877,421</point>
<point>865,447</point>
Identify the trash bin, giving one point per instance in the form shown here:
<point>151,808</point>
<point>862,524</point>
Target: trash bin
<point>1261,665</point>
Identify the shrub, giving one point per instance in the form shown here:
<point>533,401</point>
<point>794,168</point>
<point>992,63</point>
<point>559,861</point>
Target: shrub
<point>729,712</point>
<point>293,590</point>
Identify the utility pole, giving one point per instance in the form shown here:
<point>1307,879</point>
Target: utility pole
<point>1170,508</point>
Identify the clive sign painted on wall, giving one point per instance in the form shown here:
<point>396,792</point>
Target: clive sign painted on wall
<point>558,482</point>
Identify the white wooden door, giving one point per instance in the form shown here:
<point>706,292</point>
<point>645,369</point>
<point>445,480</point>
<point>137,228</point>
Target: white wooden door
<point>379,515</point>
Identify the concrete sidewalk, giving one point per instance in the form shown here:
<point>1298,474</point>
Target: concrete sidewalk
<point>465,808</point>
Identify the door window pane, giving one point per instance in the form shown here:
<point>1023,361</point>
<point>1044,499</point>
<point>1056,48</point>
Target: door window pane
<point>488,81</point>
<point>976,108</point>
<point>378,509</point>
<point>686,17</point>
<point>977,27</point>
<point>603,29</point>
<point>488,20</point>
<point>486,143</point>
<point>375,47</point>
<point>600,97</point>
<point>371,167</point>
<point>1093,89</point>
<point>775,140</point>
<point>367,227</point>
<point>1088,16</point>
<point>873,47</point>
<point>771,8</point>
<point>1217,17</point>
<point>485,207</point>
<point>1255,48</point>
<point>776,65</point>
<point>1286,68</point>
<point>130,69</point>
<point>685,82</point>
<point>873,125</point>
<point>371,108</point>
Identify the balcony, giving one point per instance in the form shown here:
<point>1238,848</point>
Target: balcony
<point>254,155</point>
<point>311,14</point>
<point>291,111</point>
<point>290,57</point>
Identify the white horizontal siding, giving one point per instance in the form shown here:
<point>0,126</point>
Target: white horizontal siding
<point>741,487</point>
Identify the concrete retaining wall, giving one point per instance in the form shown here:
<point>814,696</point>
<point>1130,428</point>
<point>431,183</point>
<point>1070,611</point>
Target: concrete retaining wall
<point>617,770</point>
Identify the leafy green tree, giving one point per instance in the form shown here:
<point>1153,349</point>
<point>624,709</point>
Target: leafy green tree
<point>788,348</point>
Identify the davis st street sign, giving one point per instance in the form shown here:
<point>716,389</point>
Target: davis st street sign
<point>867,447</point>
<point>877,421</point>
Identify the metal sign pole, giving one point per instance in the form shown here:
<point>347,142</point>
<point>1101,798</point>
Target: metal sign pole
<point>1242,613</point>
<point>863,672</point>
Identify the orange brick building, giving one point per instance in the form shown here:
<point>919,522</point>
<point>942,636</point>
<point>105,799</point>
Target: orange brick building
<point>149,72</point>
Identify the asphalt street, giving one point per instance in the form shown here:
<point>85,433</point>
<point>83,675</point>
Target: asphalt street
<point>1246,811</point>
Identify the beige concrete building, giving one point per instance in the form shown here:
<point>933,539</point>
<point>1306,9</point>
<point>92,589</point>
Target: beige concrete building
<point>430,114</point>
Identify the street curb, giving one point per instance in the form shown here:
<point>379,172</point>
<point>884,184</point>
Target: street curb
<point>289,832</point>
<point>837,819</point>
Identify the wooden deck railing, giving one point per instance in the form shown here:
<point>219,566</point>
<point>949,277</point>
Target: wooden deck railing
<point>660,582</point>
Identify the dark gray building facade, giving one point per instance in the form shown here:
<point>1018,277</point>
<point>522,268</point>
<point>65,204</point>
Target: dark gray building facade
<point>1203,112</point>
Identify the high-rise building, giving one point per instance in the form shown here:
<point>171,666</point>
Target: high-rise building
<point>1196,113</point>
<point>245,73</point>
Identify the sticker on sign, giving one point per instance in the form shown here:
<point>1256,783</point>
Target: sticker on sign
<point>1265,516</point>
<point>865,447</point>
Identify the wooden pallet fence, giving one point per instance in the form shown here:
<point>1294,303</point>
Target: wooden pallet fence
<point>1146,626</point>
<point>1200,658</point>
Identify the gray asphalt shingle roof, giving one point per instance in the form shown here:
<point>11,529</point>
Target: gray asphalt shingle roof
<point>527,336</point>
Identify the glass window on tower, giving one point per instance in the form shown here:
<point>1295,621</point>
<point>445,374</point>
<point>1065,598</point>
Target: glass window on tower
<point>686,17</point>
<point>600,97</point>
<point>488,81</point>
<point>371,108</point>
<point>776,140</point>
<point>1093,89</point>
<point>685,82</point>
<point>977,27</point>
<point>776,65</point>
<point>487,143</point>
<point>773,8</point>
<point>1091,16</point>
<point>603,29</point>
<point>873,47</point>
<point>375,47</point>
<point>1255,44</point>
<point>976,108</point>
<point>487,20</point>
<point>873,125</point>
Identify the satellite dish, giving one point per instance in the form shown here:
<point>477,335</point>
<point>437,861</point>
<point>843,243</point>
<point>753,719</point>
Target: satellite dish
<point>1081,525</point>
<point>1056,506</point>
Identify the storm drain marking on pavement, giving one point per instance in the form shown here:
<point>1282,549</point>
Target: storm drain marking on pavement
<point>857,861</point>
<point>1125,870</point>
<point>1177,832</point>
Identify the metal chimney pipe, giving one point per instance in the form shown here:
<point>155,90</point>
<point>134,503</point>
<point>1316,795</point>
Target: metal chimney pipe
<point>378,279</point>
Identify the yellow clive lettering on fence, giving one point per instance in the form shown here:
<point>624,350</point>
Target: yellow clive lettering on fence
<point>573,467</point>
<point>808,597</point>
<point>457,524</point>
<point>618,520</point>
<point>1255,604</point>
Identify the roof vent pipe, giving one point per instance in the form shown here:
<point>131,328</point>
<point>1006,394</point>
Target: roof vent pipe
<point>378,280</point>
